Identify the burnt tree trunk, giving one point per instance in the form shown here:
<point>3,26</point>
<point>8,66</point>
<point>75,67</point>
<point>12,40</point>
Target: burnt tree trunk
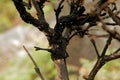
<point>70,25</point>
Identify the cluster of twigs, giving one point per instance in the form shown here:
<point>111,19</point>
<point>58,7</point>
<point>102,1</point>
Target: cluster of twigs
<point>70,25</point>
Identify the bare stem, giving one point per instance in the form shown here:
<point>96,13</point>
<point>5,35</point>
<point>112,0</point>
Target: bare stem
<point>62,69</point>
<point>35,64</point>
<point>113,56</point>
<point>94,44</point>
<point>106,46</point>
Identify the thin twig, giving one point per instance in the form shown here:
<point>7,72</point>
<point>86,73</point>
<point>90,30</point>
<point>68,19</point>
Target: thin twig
<point>58,10</point>
<point>74,34</point>
<point>113,56</point>
<point>94,44</point>
<point>35,64</point>
<point>116,50</point>
<point>106,46</point>
<point>39,12</point>
<point>97,36</point>
<point>38,48</point>
<point>112,24</point>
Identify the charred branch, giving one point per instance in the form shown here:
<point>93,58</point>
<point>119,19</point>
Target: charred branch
<point>28,18</point>
<point>70,25</point>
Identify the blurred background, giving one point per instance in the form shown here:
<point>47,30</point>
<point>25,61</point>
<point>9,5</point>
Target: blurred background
<point>16,65</point>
